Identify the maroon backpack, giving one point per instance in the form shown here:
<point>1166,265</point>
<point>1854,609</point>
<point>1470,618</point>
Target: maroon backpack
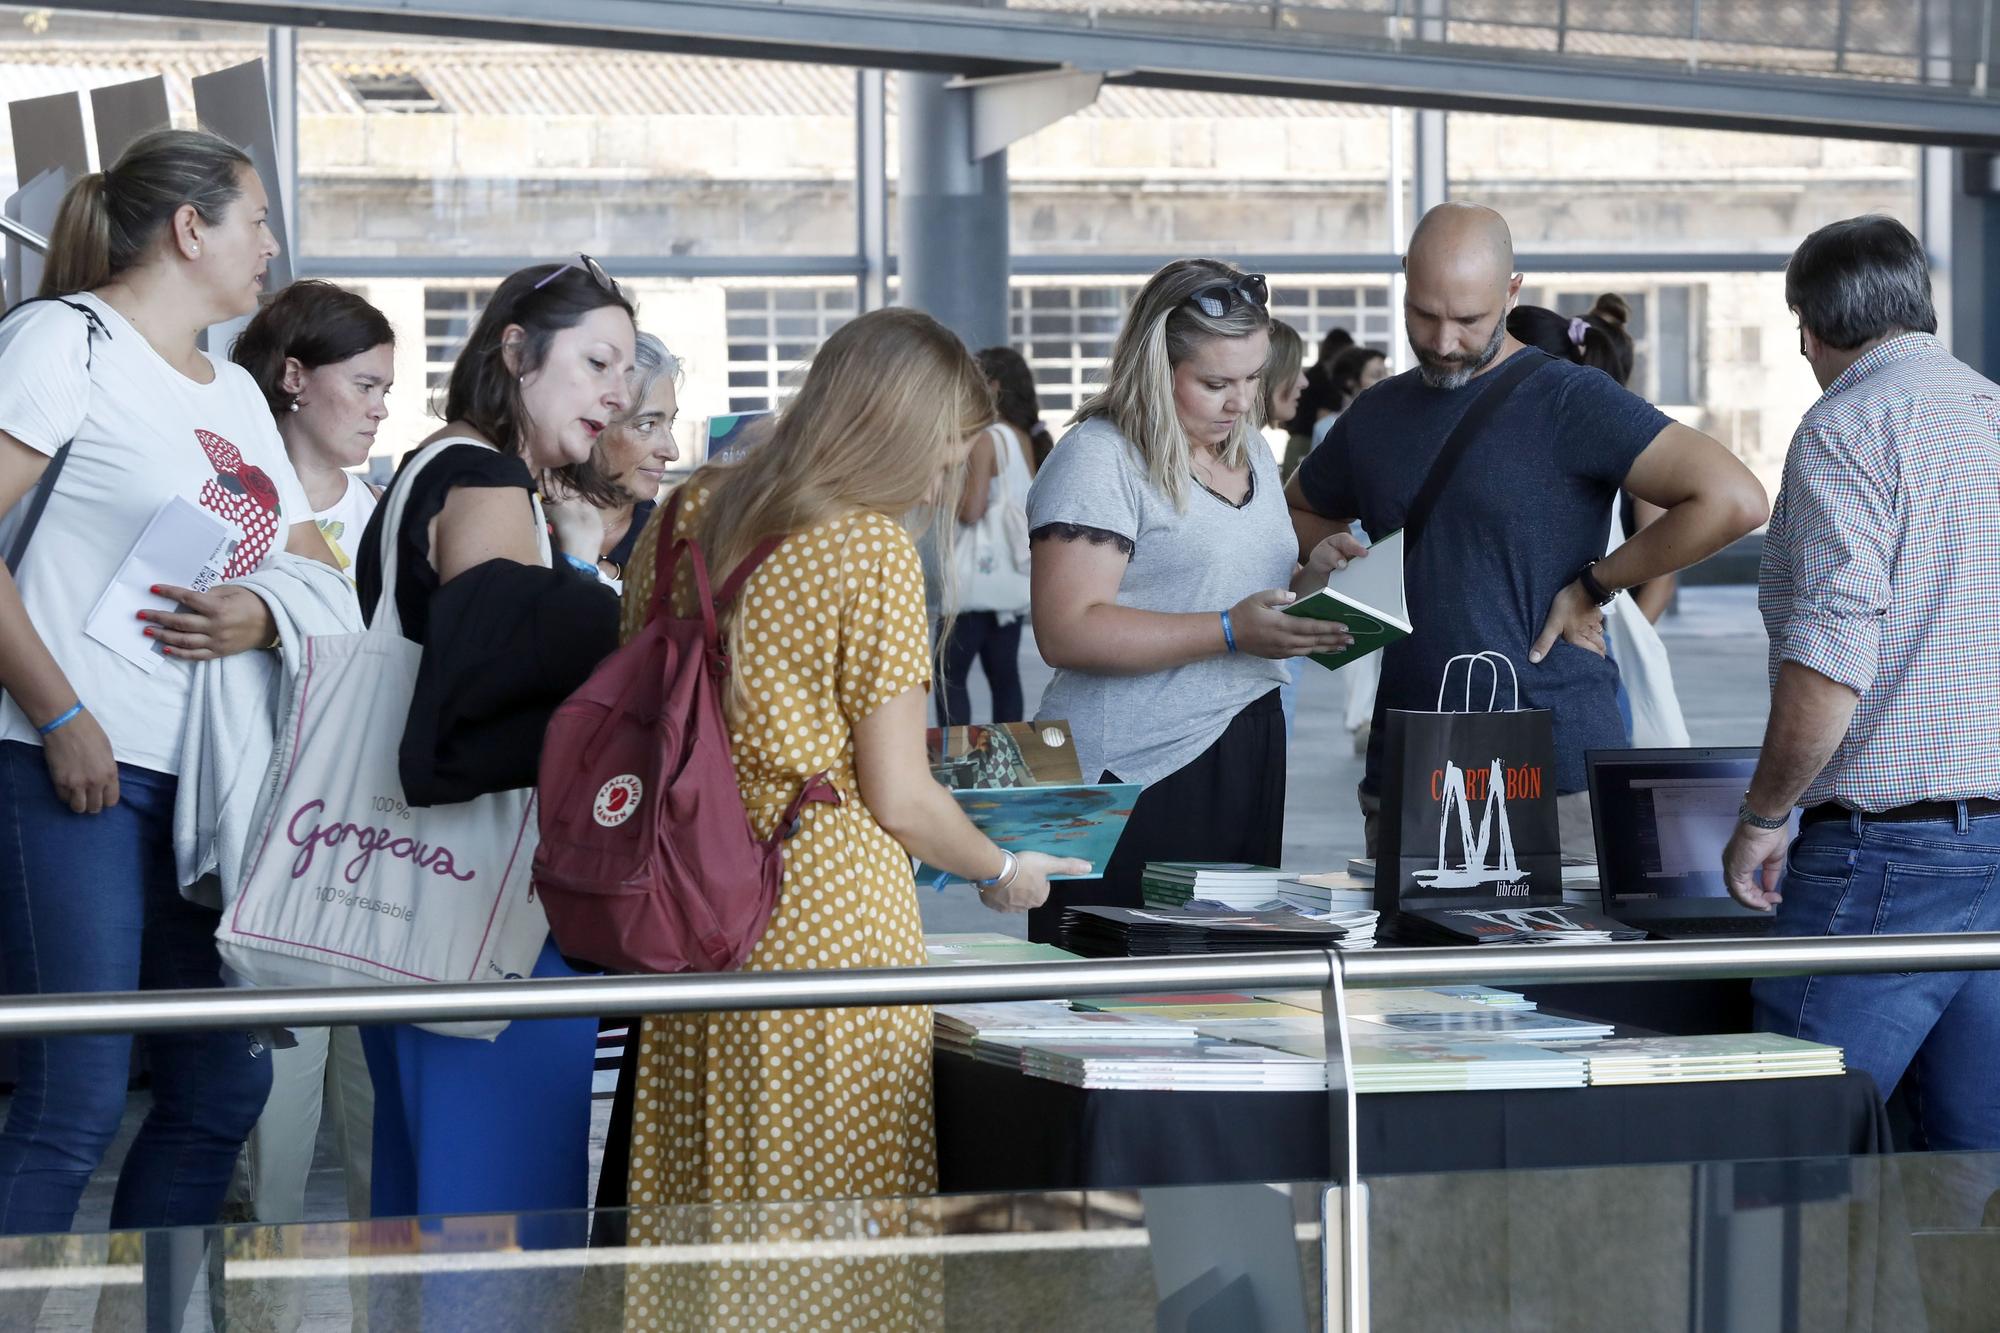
<point>648,862</point>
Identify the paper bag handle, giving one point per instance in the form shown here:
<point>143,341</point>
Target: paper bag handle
<point>1489,657</point>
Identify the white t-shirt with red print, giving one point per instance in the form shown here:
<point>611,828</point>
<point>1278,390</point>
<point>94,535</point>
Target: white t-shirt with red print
<point>143,432</point>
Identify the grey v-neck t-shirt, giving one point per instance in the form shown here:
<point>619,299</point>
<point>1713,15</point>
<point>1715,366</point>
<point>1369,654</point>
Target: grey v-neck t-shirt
<point>1210,557</point>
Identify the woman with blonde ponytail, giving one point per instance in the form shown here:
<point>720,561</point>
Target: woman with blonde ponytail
<point>1163,556</point>
<point>111,412</point>
<point>831,672</point>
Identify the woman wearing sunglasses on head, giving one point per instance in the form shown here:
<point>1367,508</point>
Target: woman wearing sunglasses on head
<point>1161,559</point>
<point>509,629</point>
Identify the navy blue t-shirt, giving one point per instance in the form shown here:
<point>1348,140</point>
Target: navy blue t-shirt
<point>1529,505</point>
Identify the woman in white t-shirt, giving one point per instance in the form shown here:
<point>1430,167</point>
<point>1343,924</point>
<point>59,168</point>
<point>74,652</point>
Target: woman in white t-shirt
<point>170,240</point>
<point>326,360</point>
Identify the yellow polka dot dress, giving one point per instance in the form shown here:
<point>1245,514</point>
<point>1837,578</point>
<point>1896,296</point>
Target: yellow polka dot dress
<point>829,1104</point>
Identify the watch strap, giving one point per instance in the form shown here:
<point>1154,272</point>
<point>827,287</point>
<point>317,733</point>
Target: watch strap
<point>1598,593</point>
<point>1745,815</point>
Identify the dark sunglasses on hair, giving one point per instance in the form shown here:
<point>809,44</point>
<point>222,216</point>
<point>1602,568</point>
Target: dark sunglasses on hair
<point>1216,299</point>
<point>593,269</point>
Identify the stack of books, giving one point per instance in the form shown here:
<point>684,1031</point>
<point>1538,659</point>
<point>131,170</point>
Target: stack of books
<point>1579,879</point>
<point>1710,1059</point>
<point>1127,932</point>
<point>1205,1066</point>
<point>1510,925</point>
<point>995,1032</point>
<point>1236,884</point>
<point>1411,1000</point>
<point>1336,891</point>
<point>988,946</point>
<point>1415,1064</point>
<point>1519,1024</point>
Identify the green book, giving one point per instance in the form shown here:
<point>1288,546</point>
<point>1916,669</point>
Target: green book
<point>1367,597</point>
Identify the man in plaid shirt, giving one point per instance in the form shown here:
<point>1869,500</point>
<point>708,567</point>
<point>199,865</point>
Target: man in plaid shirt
<point>1878,591</point>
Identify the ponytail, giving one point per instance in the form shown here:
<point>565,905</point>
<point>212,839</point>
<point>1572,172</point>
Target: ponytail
<point>109,220</point>
<point>79,256</point>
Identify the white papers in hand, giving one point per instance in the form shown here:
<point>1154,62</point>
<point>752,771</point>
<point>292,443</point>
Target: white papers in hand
<point>184,545</point>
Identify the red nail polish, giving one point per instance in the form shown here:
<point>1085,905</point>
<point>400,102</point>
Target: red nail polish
<point>155,590</point>
<point>142,615</point>
<point>166,651</point>
<point>149,631</point>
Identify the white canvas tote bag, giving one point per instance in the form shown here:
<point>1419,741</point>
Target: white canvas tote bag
<point>348,883</point>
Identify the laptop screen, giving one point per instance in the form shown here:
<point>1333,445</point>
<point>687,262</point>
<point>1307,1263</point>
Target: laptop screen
<point>1663,817</point>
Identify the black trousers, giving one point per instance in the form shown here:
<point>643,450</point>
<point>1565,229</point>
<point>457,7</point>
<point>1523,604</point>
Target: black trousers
<point>1226,805</point>
<point>978,636</point>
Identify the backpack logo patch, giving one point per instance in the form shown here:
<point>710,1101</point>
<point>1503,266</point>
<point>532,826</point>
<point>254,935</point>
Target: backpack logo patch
<point>617,800</point>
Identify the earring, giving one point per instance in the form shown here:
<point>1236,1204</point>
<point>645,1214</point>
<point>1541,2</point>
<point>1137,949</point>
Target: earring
<point>294,407</point>
<point>197,247</point>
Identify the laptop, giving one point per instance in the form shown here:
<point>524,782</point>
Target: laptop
<point>1662,818</point>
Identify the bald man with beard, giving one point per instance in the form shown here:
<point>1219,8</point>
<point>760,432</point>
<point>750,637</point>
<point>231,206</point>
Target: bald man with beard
<point>1512,556</point>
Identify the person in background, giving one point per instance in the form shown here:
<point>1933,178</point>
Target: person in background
<point>464,1126</point>
<point>168,241</point>
<point>326,360</point>
<point>986,586</point>
<point>1284,382</point>
<point>1014,397</point>
<point>1877,592</point>
<point>1299,429</point>
<point>1329,394</point>
<point>819,1104</point>
<point>634,451</point>
<point>1512,558</point>
<point>1163,559</point>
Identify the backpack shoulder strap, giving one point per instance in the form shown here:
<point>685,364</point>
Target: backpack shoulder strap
<point>741,574</point>
<point>45,487</point>
<point>1456,445</point>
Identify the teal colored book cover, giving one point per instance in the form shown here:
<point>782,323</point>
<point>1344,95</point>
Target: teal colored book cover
<point>1081,821</point>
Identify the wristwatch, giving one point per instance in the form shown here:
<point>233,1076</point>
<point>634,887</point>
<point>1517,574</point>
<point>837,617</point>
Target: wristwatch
<point>1596,591</point>
<point>1745,815</point>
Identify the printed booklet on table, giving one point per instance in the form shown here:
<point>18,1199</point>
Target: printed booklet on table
<point>1367,597</point>
<point>1020,783</point>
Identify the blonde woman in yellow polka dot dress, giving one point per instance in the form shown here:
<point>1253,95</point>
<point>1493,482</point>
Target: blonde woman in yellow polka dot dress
<point>832,669</point>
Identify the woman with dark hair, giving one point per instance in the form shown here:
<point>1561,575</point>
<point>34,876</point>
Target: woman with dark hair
<point>326,360</point>
<point>109,404</point>
<point>1020,407</point>
<point>465,1126</point>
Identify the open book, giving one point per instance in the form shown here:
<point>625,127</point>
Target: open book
<point>1367,597</point>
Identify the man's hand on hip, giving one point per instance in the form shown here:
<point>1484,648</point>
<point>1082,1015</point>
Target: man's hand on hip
<point>1574,618</point>
<point>1752,863</point>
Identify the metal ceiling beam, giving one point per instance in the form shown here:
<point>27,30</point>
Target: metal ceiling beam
<point>980,41</point>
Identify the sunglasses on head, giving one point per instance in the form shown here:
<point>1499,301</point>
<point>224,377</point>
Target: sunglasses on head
<point>591,268</point>
<point>1216,299</point>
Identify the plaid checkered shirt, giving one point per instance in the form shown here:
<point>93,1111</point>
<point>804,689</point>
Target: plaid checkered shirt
<point>1881,571</point>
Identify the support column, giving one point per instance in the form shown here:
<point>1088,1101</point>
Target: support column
<point>871,185</point>
<point>954,254</point>
<point>1971,264</point>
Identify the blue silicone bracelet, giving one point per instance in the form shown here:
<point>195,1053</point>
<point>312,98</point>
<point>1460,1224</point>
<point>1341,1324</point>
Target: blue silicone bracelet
<point>70,716</point>
<point>579,564</point>
<point>1228,633</point>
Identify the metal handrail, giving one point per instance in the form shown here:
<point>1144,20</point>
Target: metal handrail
<point>27,236</point>
<point>572,997</point>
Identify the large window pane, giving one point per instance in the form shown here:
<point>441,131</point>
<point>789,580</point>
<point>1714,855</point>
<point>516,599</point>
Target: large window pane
<point>418,149</point>
<point>1582,186</point>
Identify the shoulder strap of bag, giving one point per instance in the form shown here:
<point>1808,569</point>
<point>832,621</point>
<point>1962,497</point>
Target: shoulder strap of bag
<point>666,562</point>
<point>47,485</point>
<point>1506,379</point>
<point>388,617</point>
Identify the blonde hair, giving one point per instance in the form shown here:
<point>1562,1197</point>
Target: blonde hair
<point>1162,329</point>
<point>110,219</point>
<point>1281,368</point>
<point>873,427</point>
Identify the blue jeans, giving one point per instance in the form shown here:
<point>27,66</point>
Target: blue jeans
<point>92,903</point>
<point>1846,877</point>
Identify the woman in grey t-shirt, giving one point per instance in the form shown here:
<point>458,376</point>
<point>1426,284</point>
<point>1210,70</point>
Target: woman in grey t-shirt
<point>1162,552</point>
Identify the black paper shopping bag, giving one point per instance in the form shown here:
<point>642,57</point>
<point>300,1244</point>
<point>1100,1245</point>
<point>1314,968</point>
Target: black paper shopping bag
<point>1469,799</point>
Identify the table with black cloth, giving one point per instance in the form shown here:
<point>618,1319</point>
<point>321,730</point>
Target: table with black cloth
<point>999,1129</point>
